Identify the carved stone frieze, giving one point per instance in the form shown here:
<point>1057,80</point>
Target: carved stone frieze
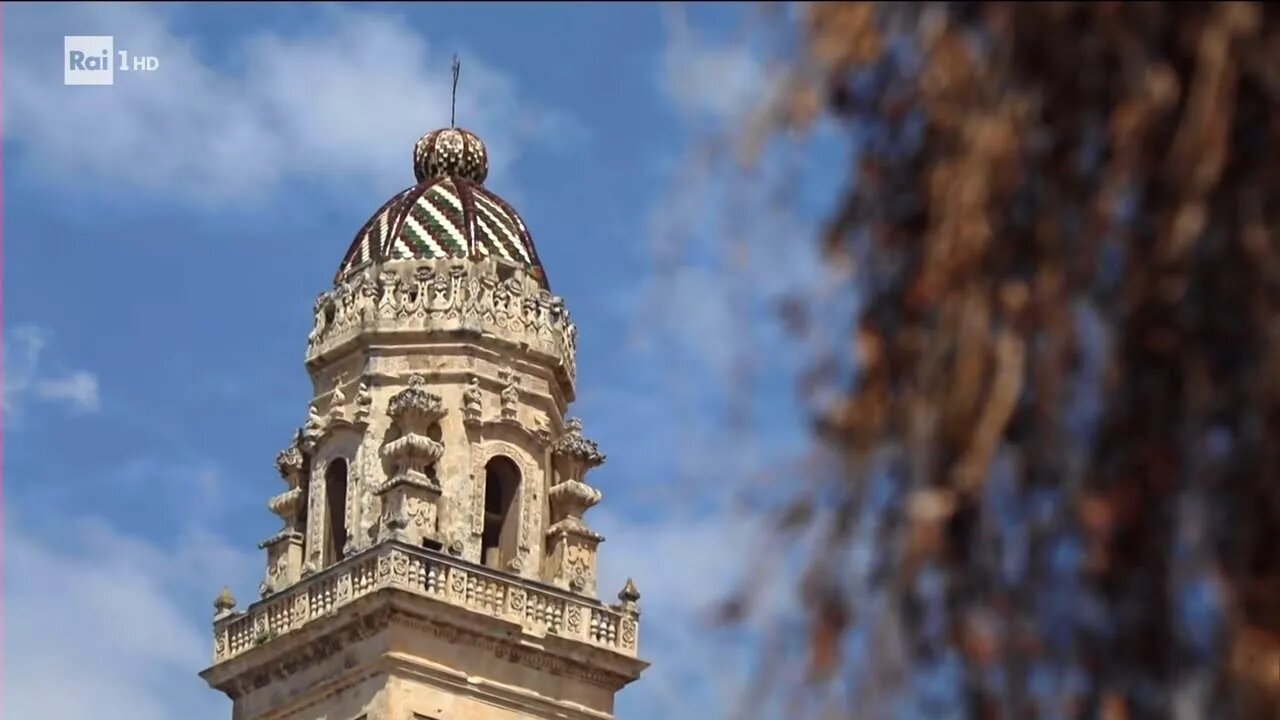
<point>446,295</point>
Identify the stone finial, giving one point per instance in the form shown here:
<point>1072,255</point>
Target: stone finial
<point>224,603</point>
<point>629,594</point>
<point>451,152</point>
<point>573,445</point>
<point>289,461</point>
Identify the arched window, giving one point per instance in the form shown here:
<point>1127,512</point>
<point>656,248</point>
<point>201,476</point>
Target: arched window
<point>501,521</point>
<point>335,495</point>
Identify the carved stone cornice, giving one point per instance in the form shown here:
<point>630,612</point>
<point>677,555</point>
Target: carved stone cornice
<point>273,660</point>
<point>283,535</point>
<point>495,428</point>
<point>554,655</point>
<point>446,296</point>
<point>575,527</point>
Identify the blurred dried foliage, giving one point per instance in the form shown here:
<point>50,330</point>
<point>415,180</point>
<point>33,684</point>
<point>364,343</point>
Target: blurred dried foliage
<point>1061,440</point>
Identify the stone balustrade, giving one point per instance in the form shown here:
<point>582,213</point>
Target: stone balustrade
<point>446,295</point>
<point>539,609</point>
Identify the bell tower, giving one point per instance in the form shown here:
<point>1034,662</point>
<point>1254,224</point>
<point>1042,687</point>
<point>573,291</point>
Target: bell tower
<point>434,562</point>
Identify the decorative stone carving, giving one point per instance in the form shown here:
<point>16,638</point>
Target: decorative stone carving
<point>314,427</point>
<point>472,401</point>
<point>571,543</point>
<point>338,401</point>
<point>411,494</point>
<point>364,401</point>
<point>510,397</point>
<point>290,461</point>
<point>224,604</point>
<point>444,295</point>
<point>629,596</point>
<point>285,548</point>
<point>286,505</point>
<point>575,454</point>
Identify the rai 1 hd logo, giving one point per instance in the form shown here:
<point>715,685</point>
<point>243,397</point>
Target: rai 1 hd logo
<point>93,60</point>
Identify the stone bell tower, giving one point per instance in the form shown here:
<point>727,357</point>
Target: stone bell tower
<point>434,562</point>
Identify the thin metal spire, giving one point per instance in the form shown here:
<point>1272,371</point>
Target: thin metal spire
<point>453,101</point>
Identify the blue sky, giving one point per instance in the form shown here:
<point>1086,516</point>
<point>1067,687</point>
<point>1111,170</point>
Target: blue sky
<point>165,239</point>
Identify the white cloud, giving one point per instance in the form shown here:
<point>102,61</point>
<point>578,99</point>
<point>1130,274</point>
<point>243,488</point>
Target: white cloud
<point>103,624</point>
<point>28,378</point>
<point>342,103</point>
<point>714,81</point>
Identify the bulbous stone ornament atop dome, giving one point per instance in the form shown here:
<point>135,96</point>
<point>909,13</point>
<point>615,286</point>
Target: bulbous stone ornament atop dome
<point>450,152</point>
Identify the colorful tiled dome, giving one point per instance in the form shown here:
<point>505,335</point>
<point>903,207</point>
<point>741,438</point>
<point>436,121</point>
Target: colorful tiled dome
<point>448,213</point>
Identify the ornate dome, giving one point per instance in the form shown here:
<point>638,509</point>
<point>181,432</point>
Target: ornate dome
<point>448,213</point>
<point>450,151</point>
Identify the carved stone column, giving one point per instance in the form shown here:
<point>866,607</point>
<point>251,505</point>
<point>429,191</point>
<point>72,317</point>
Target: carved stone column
<point>571,545</point>
<point>285,548</point>
<point>411,495</point>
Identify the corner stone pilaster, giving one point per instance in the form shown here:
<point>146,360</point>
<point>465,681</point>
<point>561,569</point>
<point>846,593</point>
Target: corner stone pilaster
<point>571,545</point>
<point>284,560</point>
<point>411,497</point>
<point>572,550</point>
<point>285,549</point>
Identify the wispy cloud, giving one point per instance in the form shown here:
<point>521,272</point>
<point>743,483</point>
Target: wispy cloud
<point>103,623</point>
<point>717,81</point>
<point>29,378</point>
<point>342,103</point>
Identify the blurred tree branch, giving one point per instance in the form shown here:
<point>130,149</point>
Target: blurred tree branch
<point>1062,219</point>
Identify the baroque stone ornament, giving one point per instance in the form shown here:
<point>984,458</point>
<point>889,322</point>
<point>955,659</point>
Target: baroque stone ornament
<point>410,496</point>
<point>436,493</point>
<point>572,544</point>
<point>472,401</point>
<point>314,426</point>
<point>338,402</point>
<point>510,396</point>
<point>572,446</point>
<point>629,595</point>
<point>223,604</point>
<point>364,401</point>
<point>289,462</point>
<point>447,295</point>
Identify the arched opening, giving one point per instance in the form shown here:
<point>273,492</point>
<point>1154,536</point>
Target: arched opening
<point>335,495</point>
<point>501,521</point>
